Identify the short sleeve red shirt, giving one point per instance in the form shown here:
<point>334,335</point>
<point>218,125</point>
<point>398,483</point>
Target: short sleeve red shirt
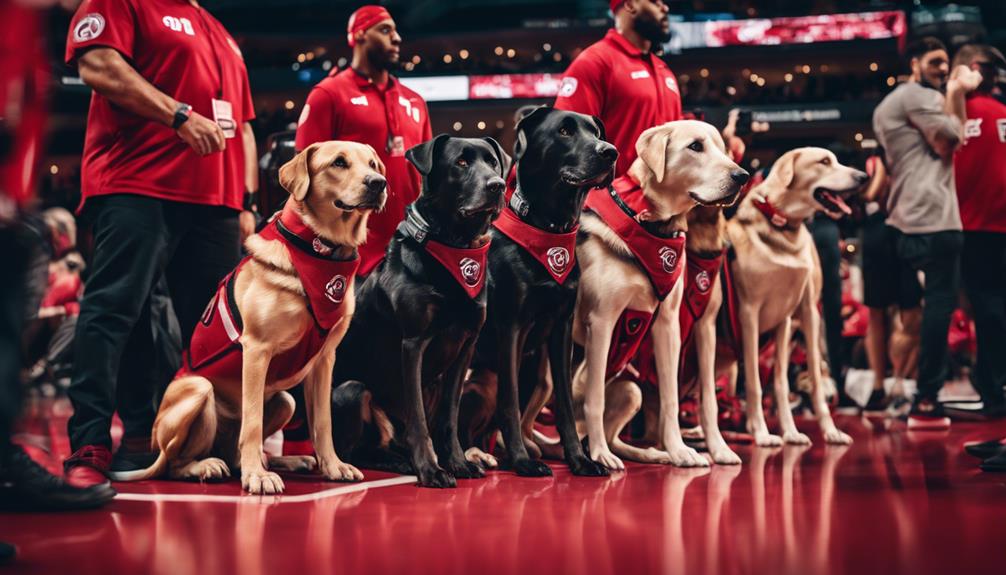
<point>348,106</point>
<point>187,54</point>
<point>629,90</point>
<point>980,166</point>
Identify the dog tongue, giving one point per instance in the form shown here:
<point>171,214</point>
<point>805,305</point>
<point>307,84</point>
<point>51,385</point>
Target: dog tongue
<point>838,201</point>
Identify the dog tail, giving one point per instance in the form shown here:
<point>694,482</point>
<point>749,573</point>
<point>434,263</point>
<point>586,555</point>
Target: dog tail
<point>156,469</point>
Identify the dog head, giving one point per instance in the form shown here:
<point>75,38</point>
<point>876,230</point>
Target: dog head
<point>568,144</point>
<point>335,186</point>
<point>463,191</point>
<point>684,163</point>
<point>808,180</point>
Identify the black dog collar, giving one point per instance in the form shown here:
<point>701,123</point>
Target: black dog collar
<point>415,225</point>
<point>518,204</point>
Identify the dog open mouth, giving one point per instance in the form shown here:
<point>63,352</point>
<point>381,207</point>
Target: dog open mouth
<point>832,201</point>
<point>724,202</point>
<point>377,206</point>
<point>571,179</point>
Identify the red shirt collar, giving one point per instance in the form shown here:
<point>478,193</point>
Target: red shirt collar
<point>364,82</point>
<point>624,45</point>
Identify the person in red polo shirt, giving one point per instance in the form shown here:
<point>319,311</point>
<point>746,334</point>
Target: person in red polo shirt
<point>980,174</point>
<point>365,103</point>
<point>620,80</point>
<point>168,158</point>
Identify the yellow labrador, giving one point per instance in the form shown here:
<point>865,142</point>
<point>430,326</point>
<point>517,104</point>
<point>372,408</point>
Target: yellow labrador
<point>274,322</point>
<point>777,275</point>
<point>681,164</point>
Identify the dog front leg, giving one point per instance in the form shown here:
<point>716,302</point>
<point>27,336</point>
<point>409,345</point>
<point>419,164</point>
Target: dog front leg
<point>752,382</point>
<point>666,331</point>
<point>597,328</point>
<point>811,320</point>
<point>560,348</point>
<point>705,347</point>
<point>417,434</point>
<point>255,365</point>
<point>511,344</point>
<point>448,444</point>
<point>318,400</point>
<point>781,385</point>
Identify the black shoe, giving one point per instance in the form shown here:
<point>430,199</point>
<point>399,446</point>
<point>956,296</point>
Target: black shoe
<point>126,460</point>
<point>927,415</point>
<point>27,486</point>
<point>7,553</point>
<point>878,401</point>
<point>986,449</point>
<point>996,463</point>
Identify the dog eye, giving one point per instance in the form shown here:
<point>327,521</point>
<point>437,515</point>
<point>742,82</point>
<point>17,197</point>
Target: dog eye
<point>826,161</point>
<point>373,165</point>
<point>696,146</point>
<point>340,162</point>
<point>564,132</point>
<point>462,162</point>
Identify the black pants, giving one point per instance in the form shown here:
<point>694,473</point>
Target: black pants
<point>983,268</point>
<point>127,346</point>
<point>826,238</point>
<point>937,255</point>
<point>14,252</point>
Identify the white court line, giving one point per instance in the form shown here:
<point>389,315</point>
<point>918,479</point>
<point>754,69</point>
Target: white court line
<point>271,499</point>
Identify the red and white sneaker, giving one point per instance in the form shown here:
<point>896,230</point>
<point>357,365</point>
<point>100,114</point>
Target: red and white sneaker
<point>927,415</point>
<point>88,466</point>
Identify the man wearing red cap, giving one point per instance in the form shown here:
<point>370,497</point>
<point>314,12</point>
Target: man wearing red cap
<point>365,103</point>
<point>621,81</point>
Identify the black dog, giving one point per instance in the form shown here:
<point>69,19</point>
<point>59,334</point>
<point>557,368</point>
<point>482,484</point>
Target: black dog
<point>533,282</point>
<point>417,318</point>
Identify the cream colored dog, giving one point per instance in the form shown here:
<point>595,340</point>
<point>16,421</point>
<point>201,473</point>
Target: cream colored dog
<point>681,164</point>
<point>334,186</point>
<point>777,275</point>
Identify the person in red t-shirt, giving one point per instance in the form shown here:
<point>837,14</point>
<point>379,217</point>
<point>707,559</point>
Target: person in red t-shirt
<point>620,80</point>
<point>168,159</point>
<point>980,174</point>
<point>365,103</point>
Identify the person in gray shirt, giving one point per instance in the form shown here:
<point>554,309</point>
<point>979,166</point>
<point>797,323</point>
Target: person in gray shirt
<point>919,128</point>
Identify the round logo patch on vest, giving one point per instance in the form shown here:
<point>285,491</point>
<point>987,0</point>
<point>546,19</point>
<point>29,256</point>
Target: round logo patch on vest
<point>335,289</point>
<point>320,247</point>
<point>89,28</point>
<point>702,281</point>
<point>558,259</point>
<point>471,272</point>
<point>668,259</point>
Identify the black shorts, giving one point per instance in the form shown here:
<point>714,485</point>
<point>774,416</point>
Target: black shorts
<point>887,280</point>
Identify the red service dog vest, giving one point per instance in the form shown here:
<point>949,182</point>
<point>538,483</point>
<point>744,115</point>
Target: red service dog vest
<point>215,350</point>
<point>633,325</point>
<point>467,265</point>
<point>555,252</point>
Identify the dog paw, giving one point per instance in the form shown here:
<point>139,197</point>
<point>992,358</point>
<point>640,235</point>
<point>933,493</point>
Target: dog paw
<point>725,456</point>
<point>531,468</point>
<point>767,440</point>
<point>479,457</point>
<point>608,459</point>
<point>262,482</point>
<point>340,471</point>
<point>465,469</point>
<point>684,456</point>
<point>436,477</point>
<point>208,469</point>
<point>294,463</point>
<point>583,466</point>
<point>795,438</point>
<point>837,437</point>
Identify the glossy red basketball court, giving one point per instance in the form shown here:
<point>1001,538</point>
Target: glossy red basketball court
<point>894,502</point>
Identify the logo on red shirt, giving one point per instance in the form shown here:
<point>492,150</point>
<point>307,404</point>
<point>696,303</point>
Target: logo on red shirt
<point>672,84</point>
<point>179,25</point>
<point>972,129</point>
<point>1001,126</point>
<point>335,289</point>
<point>568,87</point>
<point>558,259</point>
<point>668,259</point>
<point>471,272</point>
<point>89,28</point>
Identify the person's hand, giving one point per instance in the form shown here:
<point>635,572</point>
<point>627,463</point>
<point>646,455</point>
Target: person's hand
<point>246,222</point>
<point>965,78</point>
<point>730,130</point>
<point>51,311</point>
<point>203,135</point>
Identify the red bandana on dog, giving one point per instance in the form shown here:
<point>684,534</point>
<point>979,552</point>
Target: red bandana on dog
<point>699,281</point>
<point>660,257</point>
<point>556,252</point>
<point>467,265</point>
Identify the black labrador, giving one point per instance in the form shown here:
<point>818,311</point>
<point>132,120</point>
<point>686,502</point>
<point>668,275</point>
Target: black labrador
<point>560,157</point>
<point>417,317</point>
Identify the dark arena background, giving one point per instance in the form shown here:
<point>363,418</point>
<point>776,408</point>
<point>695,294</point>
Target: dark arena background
<point>918,388</point>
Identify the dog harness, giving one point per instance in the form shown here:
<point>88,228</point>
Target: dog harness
<point>215,350</point>
<point>659,257</point>
<point>555,252</point>
<point>466,265</point>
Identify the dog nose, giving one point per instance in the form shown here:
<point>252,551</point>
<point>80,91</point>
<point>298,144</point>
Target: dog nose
<point>496,186</point>
<point>375,184</point>
<point>861,177</point>
<point>607,151</point>
<point>740,177</point>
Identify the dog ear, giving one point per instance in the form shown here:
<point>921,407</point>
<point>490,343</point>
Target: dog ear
<point>422,155</point>
<point>527,122</point>
<point>380,165</point>
<point>600,128</point>
<point>504,160</point>
<point>295,175</point>
<point>785,168</point>
<point>652,149</point>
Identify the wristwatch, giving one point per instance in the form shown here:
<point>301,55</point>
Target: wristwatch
<point>182,114</point>
<point>250,203</point>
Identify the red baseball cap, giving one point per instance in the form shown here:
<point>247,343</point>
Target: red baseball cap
<point>614,4</point>
<point>364,19</point>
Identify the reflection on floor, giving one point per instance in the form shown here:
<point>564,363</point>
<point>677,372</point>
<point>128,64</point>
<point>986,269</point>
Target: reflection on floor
<point>894,502</point>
